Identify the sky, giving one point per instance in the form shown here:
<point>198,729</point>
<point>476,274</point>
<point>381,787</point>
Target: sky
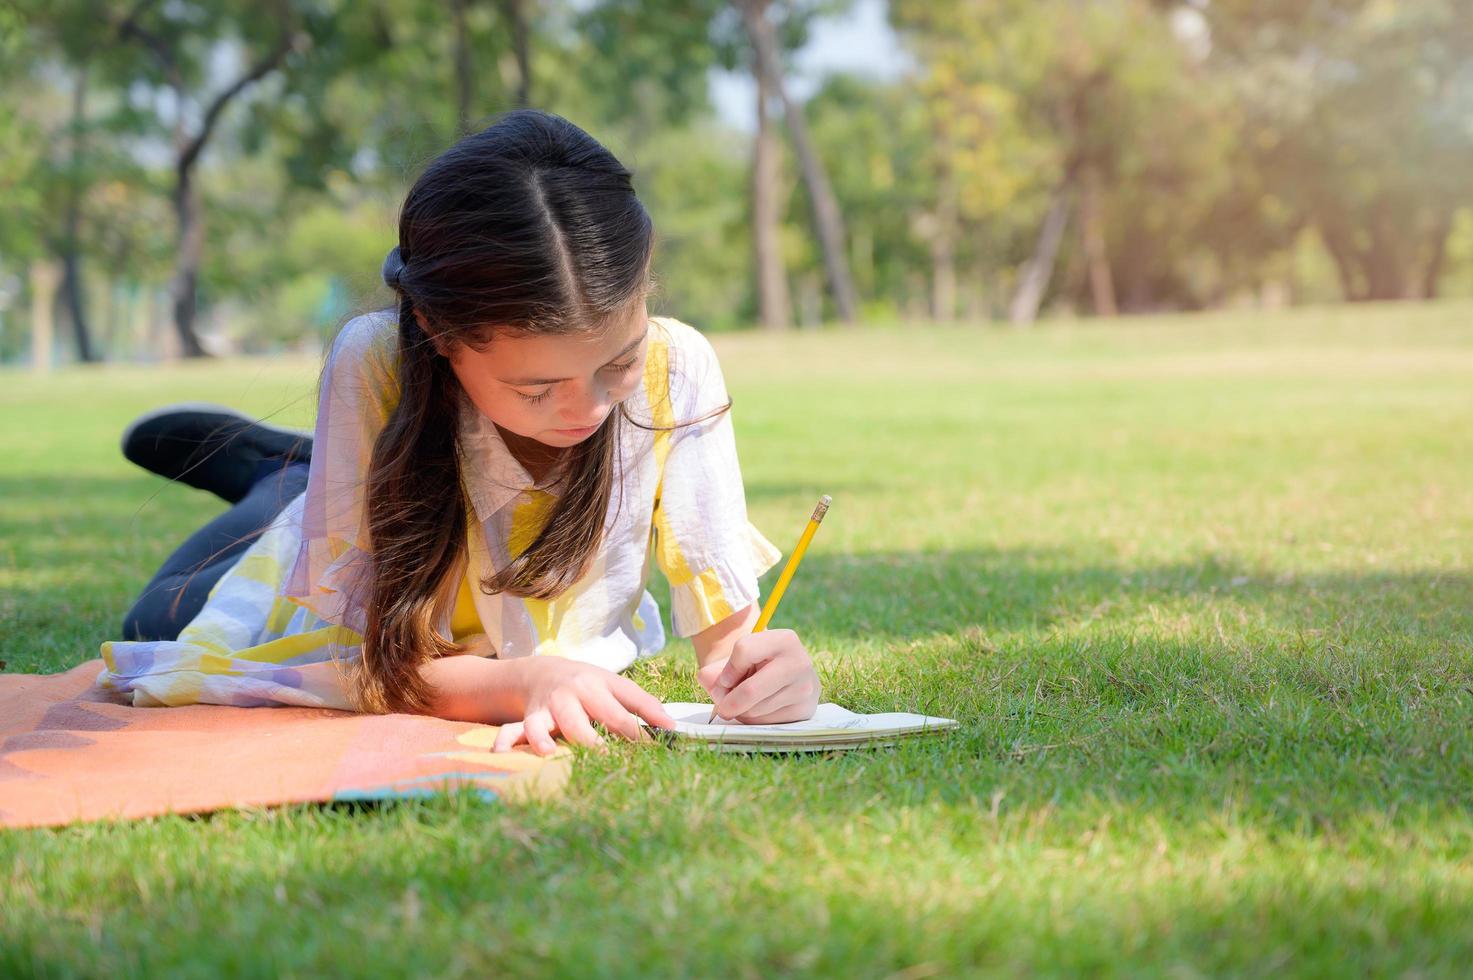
<point>860,42</point>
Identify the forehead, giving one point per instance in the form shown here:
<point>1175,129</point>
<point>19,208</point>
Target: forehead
<point>518,355</point>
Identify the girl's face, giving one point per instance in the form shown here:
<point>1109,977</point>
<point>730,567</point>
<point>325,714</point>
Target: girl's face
<point>555,389</point>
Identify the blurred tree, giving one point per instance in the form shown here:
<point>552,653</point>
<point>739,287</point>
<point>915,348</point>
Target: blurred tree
<point>773,304</point>
<point>675,43</point>
<point>25,265</point>
<point>1111,155</point>
<point>183,42</point>
<point>695,186</point>
<point>1008,89</point>
<point>57,47</point>
<point>76,183</point>
<point>981,160</point>
<point>515,14</point>
<point>1099,114</point>
<point>516,20</point>
<point>828,220</point>
<point>878,141</point>
<point>1362,115</point>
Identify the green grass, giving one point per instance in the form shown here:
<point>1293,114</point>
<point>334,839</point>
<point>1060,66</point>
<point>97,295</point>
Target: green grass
<point>1200,591</point>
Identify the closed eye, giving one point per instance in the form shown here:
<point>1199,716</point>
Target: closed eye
<point>534,399</point>
<point>622,366</point>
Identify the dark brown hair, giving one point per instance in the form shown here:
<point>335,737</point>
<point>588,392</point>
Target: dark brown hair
<point>527,227</point>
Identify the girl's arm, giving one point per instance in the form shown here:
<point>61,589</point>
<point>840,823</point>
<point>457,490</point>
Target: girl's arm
<point>716,642</point>
<point>533,697</point>
<point>473,688</point>
<point>713,556</point>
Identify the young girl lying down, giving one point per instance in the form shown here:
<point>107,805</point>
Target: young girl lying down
<point>496,464</point>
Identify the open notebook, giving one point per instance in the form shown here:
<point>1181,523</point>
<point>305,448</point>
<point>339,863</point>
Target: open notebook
<point>831,728</point>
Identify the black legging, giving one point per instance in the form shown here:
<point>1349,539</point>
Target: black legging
<point>194,568</point>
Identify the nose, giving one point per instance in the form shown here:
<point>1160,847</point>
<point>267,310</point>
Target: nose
<point>587,411</point>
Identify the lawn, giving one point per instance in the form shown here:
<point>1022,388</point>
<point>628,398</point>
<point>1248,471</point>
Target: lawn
<point>1199,589</point>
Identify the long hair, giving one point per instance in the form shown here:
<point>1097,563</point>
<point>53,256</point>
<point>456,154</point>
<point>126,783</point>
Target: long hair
<point>527,227</point>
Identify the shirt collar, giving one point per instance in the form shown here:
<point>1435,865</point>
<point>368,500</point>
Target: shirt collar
<point>493,477</point>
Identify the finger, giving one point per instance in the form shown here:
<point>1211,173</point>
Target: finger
<point>572,720</point>
<point>507,737</point>
<point>605,709</point>
<point>767,681</point>
<point>641,702</point>
<point>708,674</point>
<point>718,690</point>
<point>751,652</point>
<point>788,704</point>
<point>538,728</point>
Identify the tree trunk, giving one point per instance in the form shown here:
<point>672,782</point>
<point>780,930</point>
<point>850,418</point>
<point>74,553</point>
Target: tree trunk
<point>515,14</point>
<point>140,319</point>
<point>1386,263</point>
<point>1437,255</point>
<point>182,288</point>
<point>862,257</point>
<point>45,277</point>
<point>773,304</point>
<point>826,216</point>
<point>942,242</point>
<point>108,317</point>
<point>187,209</point>
<point>1092,238</point>
<point>73,297</point>
<point>187,149</point>
<point>1337,241</point>
<point>974,296</point>
<point>72,292</point>
<point>1036,272</point>
<point>465,82</point>
<point>810,301</point>
<point>915,305</point>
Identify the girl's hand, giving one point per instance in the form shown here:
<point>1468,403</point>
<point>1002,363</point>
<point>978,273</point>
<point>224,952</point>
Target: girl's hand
<point>566,696</point>
<point>768,679</point>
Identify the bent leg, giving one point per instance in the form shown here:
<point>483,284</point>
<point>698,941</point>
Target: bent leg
<point>179,589</point>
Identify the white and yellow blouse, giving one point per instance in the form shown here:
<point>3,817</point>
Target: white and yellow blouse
<point>278,626</point>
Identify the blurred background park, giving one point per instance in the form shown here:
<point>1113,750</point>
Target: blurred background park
<point>188,177</point>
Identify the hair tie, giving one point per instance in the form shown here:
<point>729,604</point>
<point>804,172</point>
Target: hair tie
<point>393,269</point>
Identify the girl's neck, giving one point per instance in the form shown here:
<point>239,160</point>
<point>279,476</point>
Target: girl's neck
<point>539,460</point>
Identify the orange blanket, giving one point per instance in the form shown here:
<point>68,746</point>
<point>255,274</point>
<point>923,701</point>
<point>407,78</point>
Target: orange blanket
<point>68,754</point>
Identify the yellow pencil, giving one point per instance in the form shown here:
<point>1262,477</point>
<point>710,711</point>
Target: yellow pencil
<point>775,597</point>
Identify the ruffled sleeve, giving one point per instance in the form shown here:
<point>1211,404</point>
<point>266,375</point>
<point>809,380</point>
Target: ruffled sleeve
<point>359,390</point>
<point>704,544</point>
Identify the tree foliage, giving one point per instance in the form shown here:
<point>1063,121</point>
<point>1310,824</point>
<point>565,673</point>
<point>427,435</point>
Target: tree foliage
<point>1120,155</point>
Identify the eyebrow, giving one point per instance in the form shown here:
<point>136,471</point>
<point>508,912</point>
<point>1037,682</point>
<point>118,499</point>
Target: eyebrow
<point>525,382</point>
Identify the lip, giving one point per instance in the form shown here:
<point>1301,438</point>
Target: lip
<point>577,433</point>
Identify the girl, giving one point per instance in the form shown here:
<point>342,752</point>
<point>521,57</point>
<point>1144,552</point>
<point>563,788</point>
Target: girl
<point>470,529</point>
